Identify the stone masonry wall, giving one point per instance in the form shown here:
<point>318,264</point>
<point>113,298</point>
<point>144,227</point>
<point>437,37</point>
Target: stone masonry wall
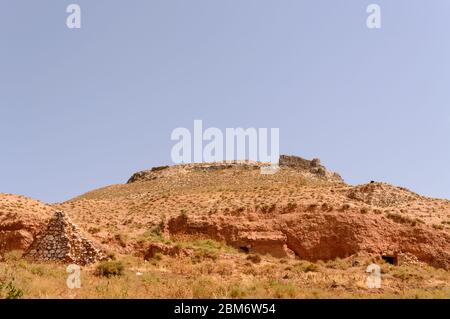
<point>61,241</point>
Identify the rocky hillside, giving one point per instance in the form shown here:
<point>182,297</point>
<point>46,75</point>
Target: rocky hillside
<point>311,169</point>
<point>303,211</point>
<point>21,218</point>
<point>230,230</point>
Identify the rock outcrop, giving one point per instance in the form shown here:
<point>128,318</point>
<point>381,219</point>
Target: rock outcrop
<point>182,169</point>
<point>303,209</point>
<point>319,235</point>
<point>382,194</point>
<point>247,236</point>
<point>21,218</point>
<point>312,167</point>
<point>61,241</point>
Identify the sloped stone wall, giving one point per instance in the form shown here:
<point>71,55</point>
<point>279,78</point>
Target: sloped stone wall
<point>61,241</point>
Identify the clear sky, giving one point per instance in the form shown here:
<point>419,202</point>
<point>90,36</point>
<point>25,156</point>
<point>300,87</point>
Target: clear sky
<point>81,109</point>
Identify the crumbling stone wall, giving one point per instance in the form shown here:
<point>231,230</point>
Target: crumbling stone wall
<point>314,167</point>
<point>61,241</point>
<point>298,162</point>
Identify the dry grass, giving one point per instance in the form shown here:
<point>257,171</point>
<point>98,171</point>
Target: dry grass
<point>139,209</point>
<point>230,276</point>
<point>122,216</point>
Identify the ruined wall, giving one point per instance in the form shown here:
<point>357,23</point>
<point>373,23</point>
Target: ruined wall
<point>61,241</point>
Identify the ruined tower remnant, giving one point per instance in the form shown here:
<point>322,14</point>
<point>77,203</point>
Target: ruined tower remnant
<point>61,241</point>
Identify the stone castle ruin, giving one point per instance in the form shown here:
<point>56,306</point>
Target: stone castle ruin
<point>61,241</point>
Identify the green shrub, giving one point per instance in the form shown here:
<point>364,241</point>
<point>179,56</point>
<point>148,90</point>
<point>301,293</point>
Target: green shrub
<point>109,269</point>
<point>155,234</point>
<point>11,291</point>
<point>306,266</point>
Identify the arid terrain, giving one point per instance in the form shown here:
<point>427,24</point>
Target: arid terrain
<point>224,230</point>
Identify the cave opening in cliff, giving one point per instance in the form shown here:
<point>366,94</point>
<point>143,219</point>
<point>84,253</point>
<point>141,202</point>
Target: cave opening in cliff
<point>390,259</point>
<point>245,249</point>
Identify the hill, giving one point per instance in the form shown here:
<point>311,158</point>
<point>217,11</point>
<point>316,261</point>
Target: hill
<point>226,230</point>
<point>302,210</point>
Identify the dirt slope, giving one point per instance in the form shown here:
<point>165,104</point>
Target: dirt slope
<point>303,210</point>
<point>21,218</point>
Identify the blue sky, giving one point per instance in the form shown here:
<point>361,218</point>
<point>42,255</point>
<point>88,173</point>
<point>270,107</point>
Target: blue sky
<point>81,109</point>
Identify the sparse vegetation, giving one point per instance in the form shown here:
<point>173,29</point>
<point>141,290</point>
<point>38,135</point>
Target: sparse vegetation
<point>10,291</point>
<point>121,239</point>
<point>364,210</point>
<point>127,218</point>
<point>154,234</point>
<point>109,269</point>
<point>402,219</point>
<point>254,258</point>
<point>307,266</point>
<point>206,278</point>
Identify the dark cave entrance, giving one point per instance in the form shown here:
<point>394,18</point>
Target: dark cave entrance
<point>245,249</point>
<point>390,259</point>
